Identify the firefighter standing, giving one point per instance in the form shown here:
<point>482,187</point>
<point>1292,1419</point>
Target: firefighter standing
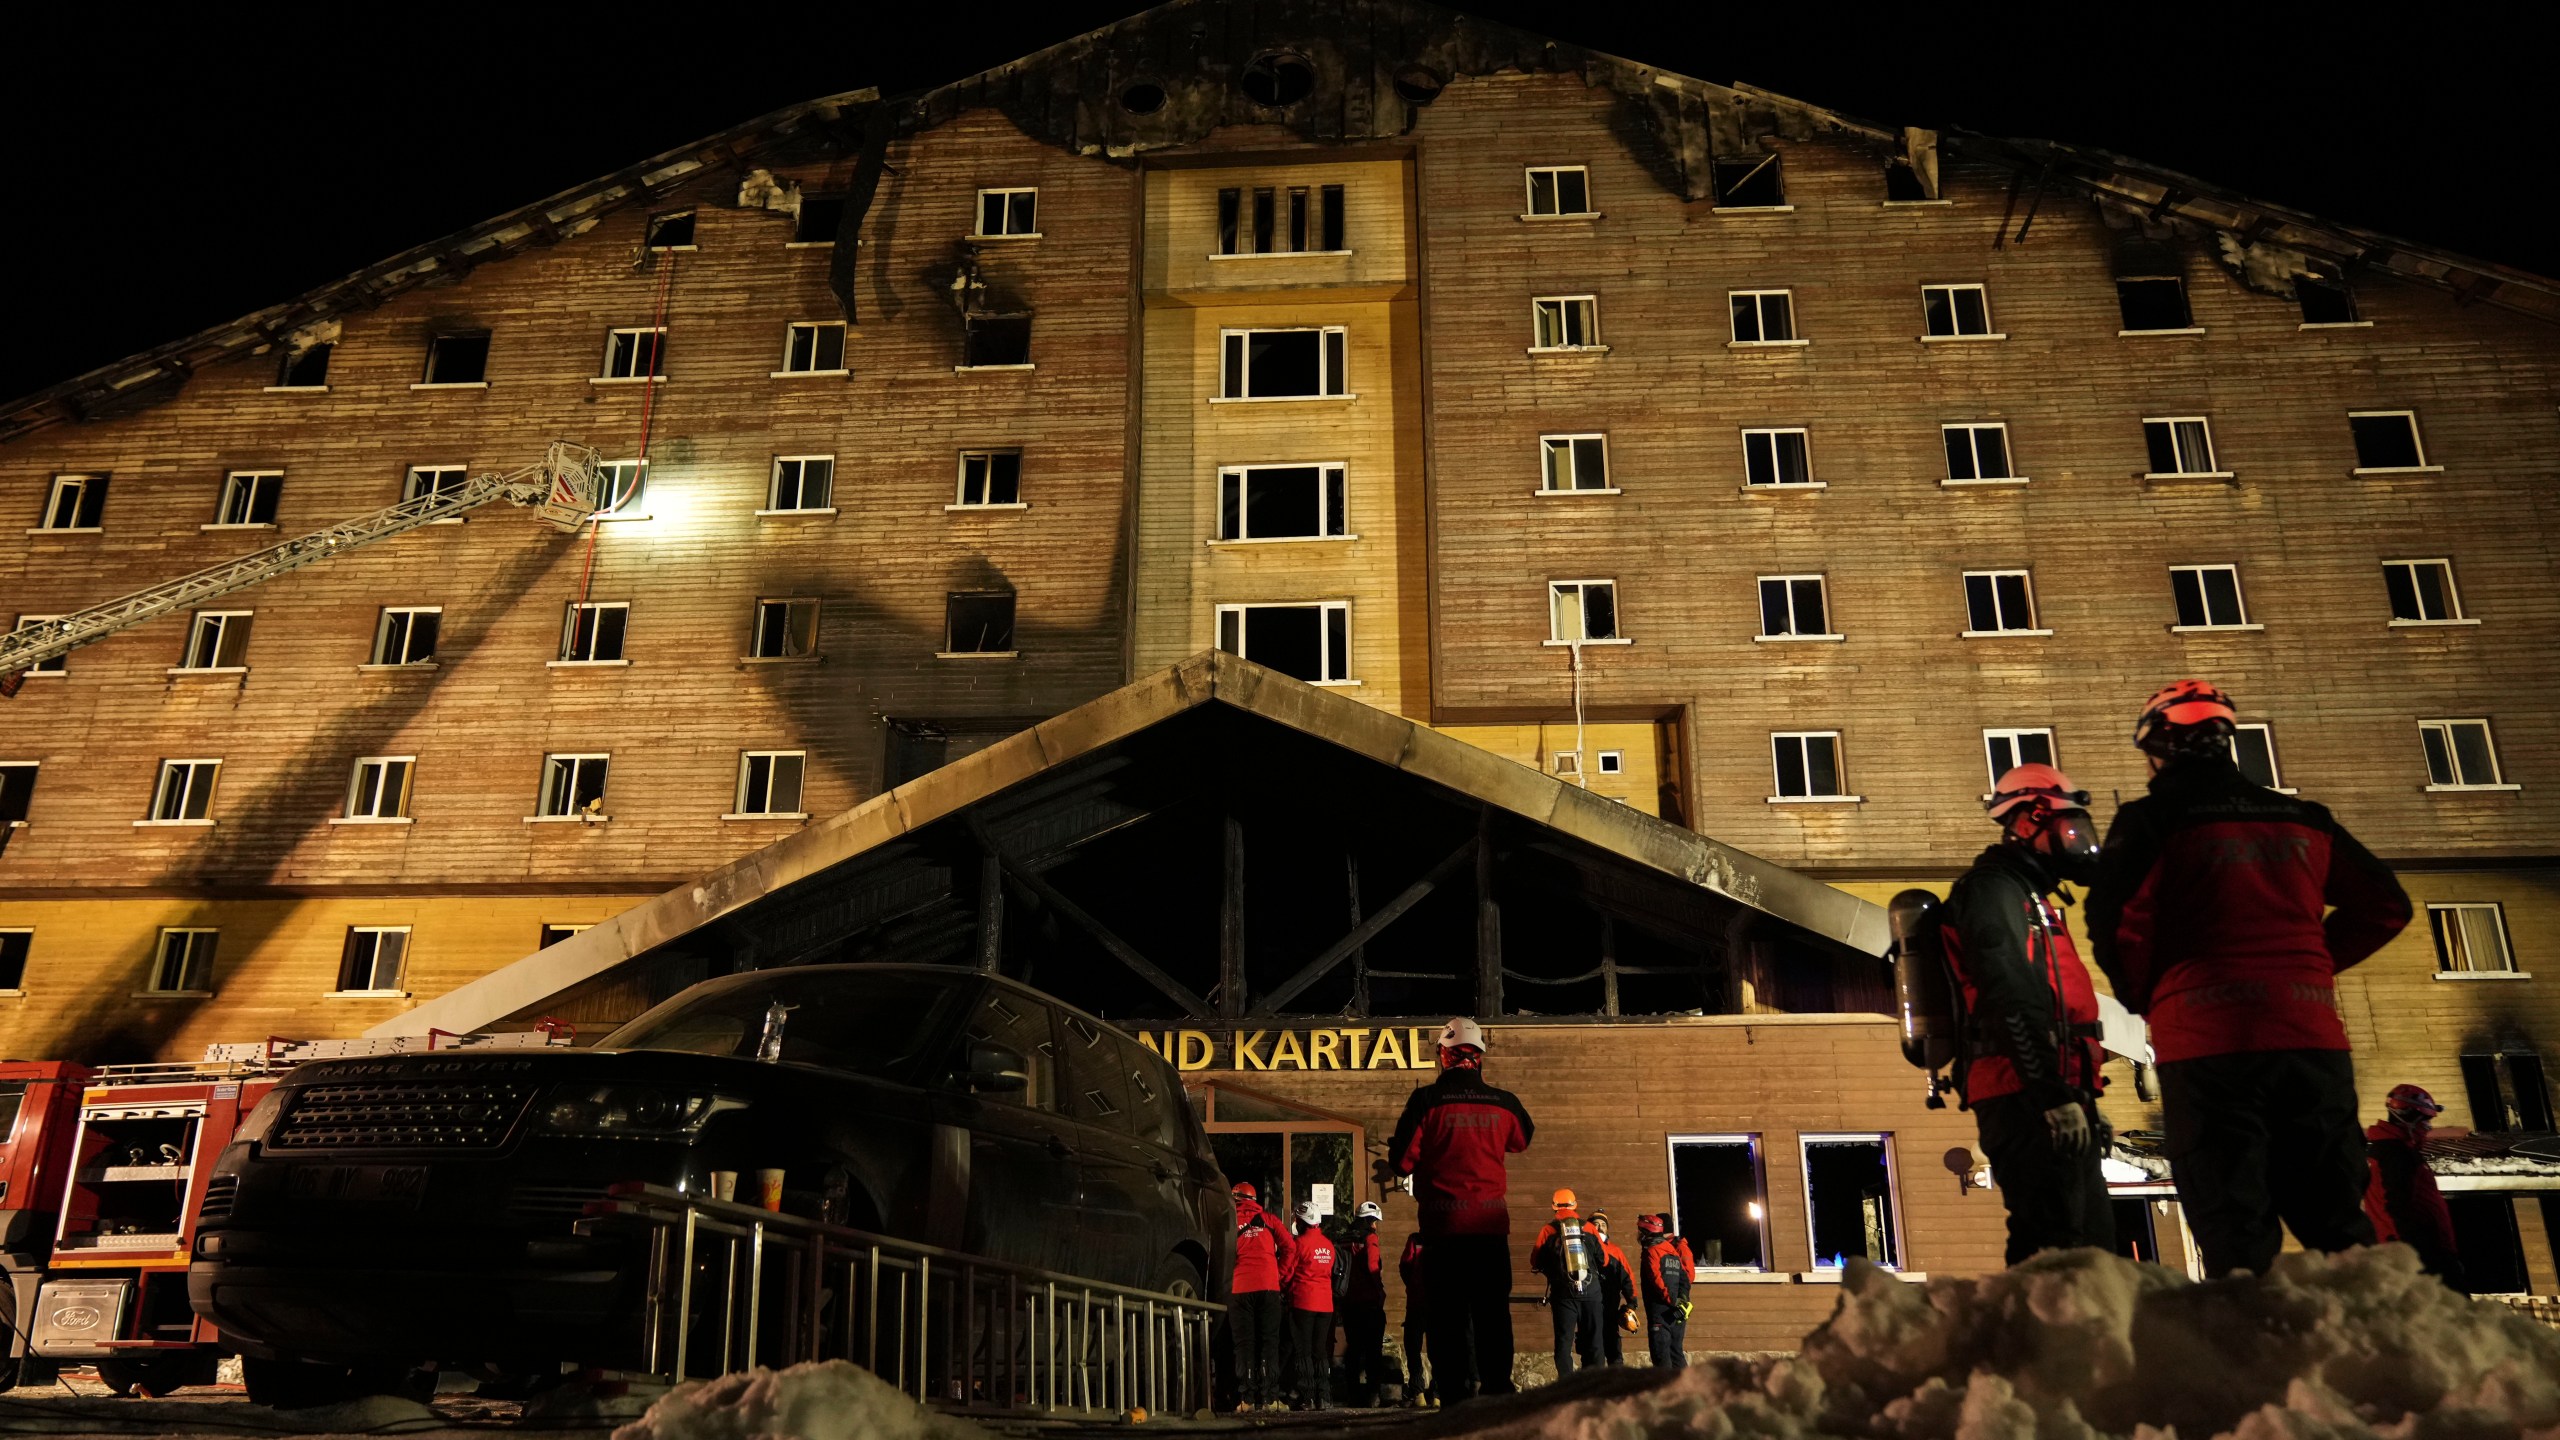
<point>1618,1294</point>
<point>1364,1306</point>
<point>2403,1201</point>
<point>1310,1291</point>
<point>1666,1293</point>
<point>1452,1139</point>
<point>2030,1064</point>
<point>2207,915</point>
<point>1265,1257</point>
<point>1417,1317</point>
<point>1568,1254</point>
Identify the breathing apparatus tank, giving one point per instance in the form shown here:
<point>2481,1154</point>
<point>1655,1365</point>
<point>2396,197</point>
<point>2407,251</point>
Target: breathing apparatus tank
<point>1924,993</point>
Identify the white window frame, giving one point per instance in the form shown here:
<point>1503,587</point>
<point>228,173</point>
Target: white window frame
<point>77,486</point>
<point>2034,610</point>
<point>1970,429</point>
<point>1760,320</point>
<point>800,486</point>
<point>1567,762</point>
<point>1750,1141</point>
<point>755,628</point>
<point>610,475</point>
<point>2453,755</point>
<point>1581,610</point>
<point>382,634</point>
<point>2204,426</point>
<point>960,485</point>
<point>2204,597</point>
<point>1567,311</point>
<point>218,624</point>
<point>566,930</point>
<point>211,769</point>
<point>360,794</point>
<point>816,330</point>
<point>1831,628</point>
<point>59,664</point>
<point>1609,762</point>
<point>1805,1142</point>
<point>2452,593</point>
<point>411,487</point>
<point>2439,912</point>
<point>1772,432</point>
<point>236,483</point>
<point>1247,233</point>
<point>567,658</point>
<point>1839,766</point>
<point>2275,761</point>
<point>373,967</point>
<point>2012,734</point>
<point>739,797</point>
<point>1337,667</point>
<point>2417,442</point>
<point>1333,523</point>
<point>978,223</point>
<point>1236,344</point>
<point>573,765</point>
<point>1955,314</point>
<point>1561,453</point>
<point>1529,198</point>
<point>160,961</point>
<point>605,374</point>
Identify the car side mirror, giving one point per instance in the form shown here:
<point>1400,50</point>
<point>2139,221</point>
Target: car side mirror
<point>993,1067</point>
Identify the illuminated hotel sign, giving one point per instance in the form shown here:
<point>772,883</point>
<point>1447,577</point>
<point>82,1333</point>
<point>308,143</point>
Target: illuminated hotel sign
<point>1349,1047</point>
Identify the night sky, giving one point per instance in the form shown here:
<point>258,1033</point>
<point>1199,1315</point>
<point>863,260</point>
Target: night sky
<point>181,168</point>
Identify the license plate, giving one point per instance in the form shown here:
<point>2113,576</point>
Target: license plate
<point>396,1186</point>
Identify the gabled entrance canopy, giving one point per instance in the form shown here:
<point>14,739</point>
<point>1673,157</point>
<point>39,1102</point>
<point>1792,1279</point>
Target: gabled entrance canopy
<point>1218,840</point>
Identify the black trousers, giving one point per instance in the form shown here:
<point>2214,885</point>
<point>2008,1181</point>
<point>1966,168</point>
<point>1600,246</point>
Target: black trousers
<point>1311,1346</point>
<point>1667,1333</point>
<point>1468,1278</point>
<point>1613,1341</point>
<point>2264,1137</point>
<point>1577,1320</point>
<point>1253,1318</point>
<point>1417,1343</point>
<point>1364,1344</point>
<point>2055,1202</point>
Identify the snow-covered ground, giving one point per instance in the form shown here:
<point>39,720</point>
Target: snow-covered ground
<point>824,1400</point>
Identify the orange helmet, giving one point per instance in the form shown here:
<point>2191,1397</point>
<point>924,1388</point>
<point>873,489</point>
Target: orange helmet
<point>1564,1199</point>
<point>2186,715</point>
<point>1243,1190</point>
<point>2034,784</point>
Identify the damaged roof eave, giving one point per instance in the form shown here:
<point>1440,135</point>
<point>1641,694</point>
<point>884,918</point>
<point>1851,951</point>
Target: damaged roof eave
<point>1212,676</point>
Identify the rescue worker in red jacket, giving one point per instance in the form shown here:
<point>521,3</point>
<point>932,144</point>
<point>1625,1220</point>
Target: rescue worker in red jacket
<point>1667,1275</point>
<point>2207,915</point>
<point>2403,1194</point>
<point>1265,1259</point>
<point>1417,1322</point>
<point>1453,1139</point>
<point>1618,1294</point>
<point>1364,1306</point>
<point>2030,1071</point>
<point>1568,1254</point>
<point>1310,1292</point>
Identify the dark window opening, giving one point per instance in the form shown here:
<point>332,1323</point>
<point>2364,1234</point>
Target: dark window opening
<point>1563,190</point>
<point>2421,590</point>
<point>1849,1190</point>
<point>1807,765</point>
<point>1008,212</point>
<point>372,959</point>
<point>17,791</point>
<point>1333,232</point>
<point>1776,457</point>
<point>593,632</point>
<point>1276,80</point>
<point>249,499</point>
<point>2154,304</point>
<point>1955,310</point>
<point>78,502</point>
<point>1793,606</point>
<point>1901,182</point>
<point>1749,184</point>
<point>821,216</point>
<point>2207,595</point>
<point>2485,1234</point>
<point>978,622</point>
<point>554,934</point>
<point>406,637</point>
<point>1282,364</point>
<point>14,945</point>
<point>671,232</point>
<point>2533,1096</point>
<point>998,340</point>
<point>2387,442</point>
<point>2480,1086</point>
<point>2136,1237</point>
<point>769,782</point>
<point>1298,217</point>
<point>991,477</point>
<point>2325,302</point>
<point>2253,749</point>
<point>574,784</point>
<point>1230,218</point>
<point>1271,502</point>
<point>636,354</point>
<point>1417,86</point>
<point>458,359</point>
<point>1307,642</point>
<point>814,348</point>
<point>784,629</point>
<point>1716,1202</point>
<point>1998,600</point>
<point>306,368</point>
<point>1144,98</point>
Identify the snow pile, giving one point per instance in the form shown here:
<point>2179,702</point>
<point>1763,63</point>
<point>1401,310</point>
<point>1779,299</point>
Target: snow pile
<point>823,1400</point>
<point>2081,1344</point>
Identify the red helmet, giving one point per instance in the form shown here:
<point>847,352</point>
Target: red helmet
<point>1649,1224</point>
<point>2033,784</point>
<point>2186,715</point>
<point>1243,1190</point>
<point>2413,1099</point>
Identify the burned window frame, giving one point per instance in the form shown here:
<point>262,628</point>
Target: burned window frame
<point>812,208</point>
<point>306,368</point>
<point>1897,1236</point>
<point>2338,292</point>
<point>785,627</point>
<point>985,333</point>
<point>673,230</point>
<point>17,944</point>
<point>1752,1143</point>
<point>2131,303</point>
<point>953,602</point>
<point>1750,179</point>
<point>18,780</point>
<point>442,361</point>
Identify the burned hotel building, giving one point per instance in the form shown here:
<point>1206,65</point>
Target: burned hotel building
<point>1282,524</point>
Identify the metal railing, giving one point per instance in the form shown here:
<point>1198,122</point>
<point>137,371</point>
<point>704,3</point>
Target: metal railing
<point>732,1286</point>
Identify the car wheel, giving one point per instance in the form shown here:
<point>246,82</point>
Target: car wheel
<point>1177,1277</point>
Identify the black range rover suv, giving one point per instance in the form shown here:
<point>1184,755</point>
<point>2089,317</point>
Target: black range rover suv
<point>417,1209</point>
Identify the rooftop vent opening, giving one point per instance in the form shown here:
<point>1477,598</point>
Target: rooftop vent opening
<point>1276,79</point>
<point>1144,98</point>
<point>1416,85</point>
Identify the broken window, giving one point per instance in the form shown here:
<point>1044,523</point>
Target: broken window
<point>784,630</point>
<point>2480,1087</point>
<point>820,217</point>
<point>2208,596</point>
<point>1580,611</point>
<point>2460,755</point>
<point>1718,1204</point>
<point>1560,190</point>
<point>1309,642</point>
<point>1807,763</point>
<point>185,791</point>
<point>1998,601</point>
<point>425,480</point>
<point>1849,1202</point>
<point>2533,1096</point>
<point>183,965</point>
<point>2422,592</point>
<point>1794,607</point>
<point>1280,220</point>
<point>1574,462</point>
<point>249,497</point>
<point>1777,458</point>
<point>1564,322</point>
<point>1283,364</point>
<point>17,791</point>
<point>814,347</point>
<point>1749,184</point>
<point>1977,452</point>
<point>1009,214</point>
<point>635,352</point>
<point>406,635</point>
<point>591,632</point>
<point>2387,440</point>
<point>671,232</point>
<point>14,945</point>
<point>218,640</point>
<point>1276,80</point>
<point>379,789</point>
<point>1902,183</point>
<point>1954,311</point>
<point>990,477</point>
<point>2153,302</point>
<point>619,484</point>
<point>978,622</point>
<point>459,359</point>
<point>573,786</point>
<point>2007,749</point>
<point>2179,447</point>
<point>59,664</point>
<point>1280,502</point>
<point>306,368</point>
<point>802,482</point>
<point>76,502</point>
<point>2253,749</point>
<point>2325,302</point>
<point>769,782</point>
<point>1763,317</point>
<point>996,340</point>
<point>371,961</point>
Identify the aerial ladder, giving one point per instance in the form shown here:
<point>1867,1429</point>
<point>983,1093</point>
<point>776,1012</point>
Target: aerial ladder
<point>563,488</point>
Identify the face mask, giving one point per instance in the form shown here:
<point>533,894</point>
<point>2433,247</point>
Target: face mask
<point>2070,840</point>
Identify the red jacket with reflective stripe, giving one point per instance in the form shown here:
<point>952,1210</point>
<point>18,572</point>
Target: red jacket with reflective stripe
<point>1264,1252</point>
<point>2207,913</point>
<point>2024,988</point>
<point>1452,1139</point>
<point>1311,1283</point>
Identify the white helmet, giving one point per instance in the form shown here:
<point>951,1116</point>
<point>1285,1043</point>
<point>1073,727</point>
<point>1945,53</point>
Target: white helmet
<point>1308,1214</point>
<point>1370,1210</point>
<point>1461,1031</point>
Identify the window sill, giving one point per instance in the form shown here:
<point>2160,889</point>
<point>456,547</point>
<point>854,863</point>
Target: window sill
<point>2003,634</point>
<point>1752,210</point>
<point>1007,505</point>
<point>2180,330</point>
<point>13,994</point>
<point>1535,351</point>
<point>1908,204</point>
<point>836,374</point>
<point>2428,624</point>
<point>2461,789</point>
<point>1278,540</point>
<point>1277,254</point>
<point>2484,975</point>
<point>175,670</point>
<point>451,385</point>
<point>1833,1277</point>
<point>38,675</point>
<point>1797,639</point>
<point>617,517</point>
<point>1741,1277</point>
<point>2212,629</point>
<point>586,664</point>
<point>983,369</point>
<point>663,249</point>
<point>67,530</point>
<point>1585,490</point>
<point>1765,344</point>
<point>2188,477</point>
<point>813,658</point>
<point>2362,470</point>
<point>371,820</point>
<point>393,669</point>
<point>975,654</point>
<point>295,389</point>
<point>452,520</point>
<point>1994,481</point>
<point>250,525</point>
<point>1750,489</point>
<point>1016,235</point>
<point>567,819</point>
<point>172,994</point>
<point>1817,799</point>
<point>626,379</point>
<point>770,815</point>
<point>2335,325</point>
<point>1963,339</point>
<point>1615,640</point>
<point>812,510</point>
<point>1335,684</point>
<point>1276,399</point>
<point>1562,215</point>
<point>808,244</point>
<point>171,824</point>
<point>364,994</point>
